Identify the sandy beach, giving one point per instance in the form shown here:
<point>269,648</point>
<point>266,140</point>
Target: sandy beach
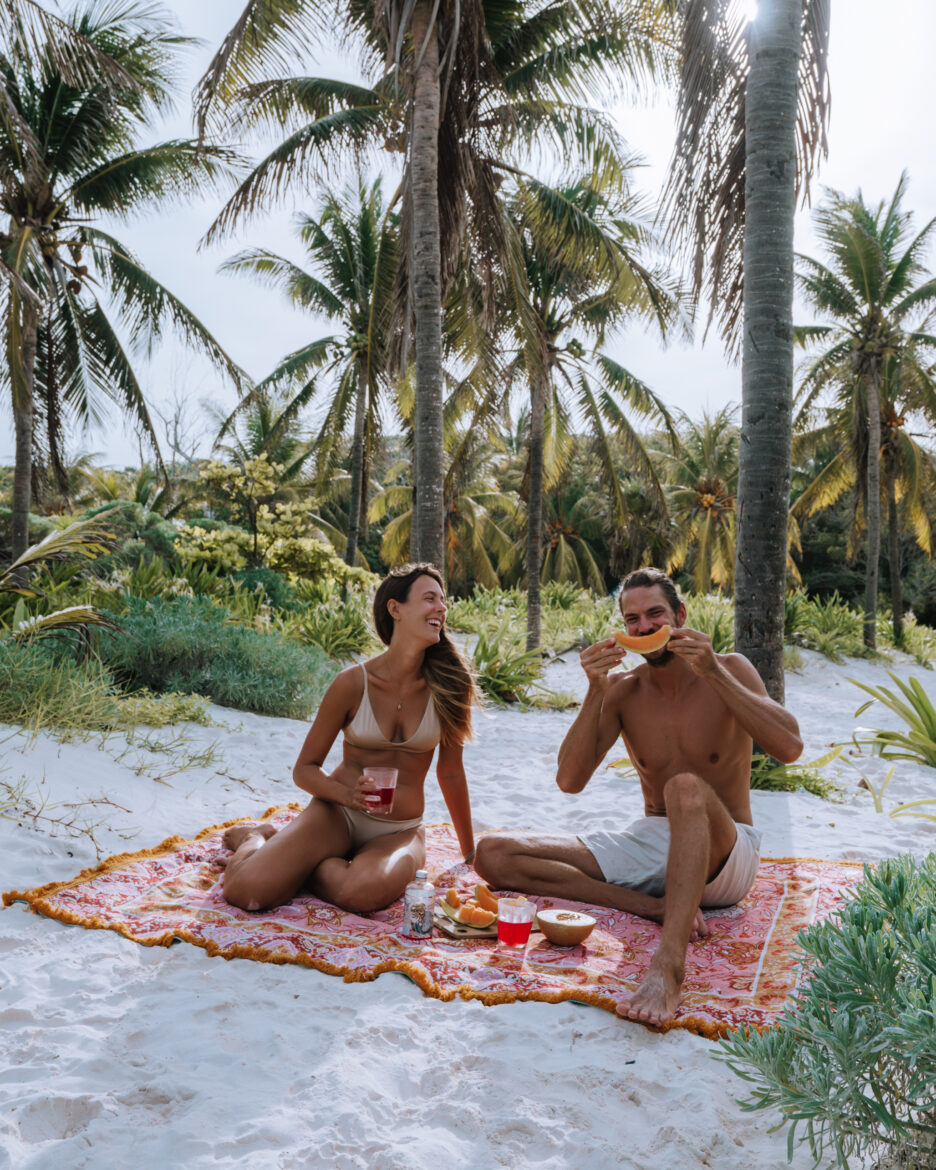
<point>118,1055</point>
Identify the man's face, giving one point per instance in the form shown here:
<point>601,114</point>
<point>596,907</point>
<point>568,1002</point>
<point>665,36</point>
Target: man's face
<point>645,610</point>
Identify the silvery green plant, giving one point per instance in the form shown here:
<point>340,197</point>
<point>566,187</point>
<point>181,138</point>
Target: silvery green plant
<point>851,1064</point>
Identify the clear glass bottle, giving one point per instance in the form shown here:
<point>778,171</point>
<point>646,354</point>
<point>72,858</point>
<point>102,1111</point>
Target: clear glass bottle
<point>418,905</point>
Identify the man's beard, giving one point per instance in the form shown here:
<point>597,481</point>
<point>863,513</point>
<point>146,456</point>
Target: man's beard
<point>661,659</point>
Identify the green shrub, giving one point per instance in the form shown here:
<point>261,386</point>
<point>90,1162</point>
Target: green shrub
<point>275,587</point>
<point>505,672</point>
<point>918,641</point>
<point>853,1060</point>
<point>189,645</point>
<point>792,659</point>
<point>769,776</point>
<point>140,533</point>
<point>342,631</point>
<point>913,705</point>
<point>41,686</point>
<point>563,595</point>
<point>830,626</point>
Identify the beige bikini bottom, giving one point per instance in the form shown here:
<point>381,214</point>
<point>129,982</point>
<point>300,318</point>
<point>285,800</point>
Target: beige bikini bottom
<point>363,827</point>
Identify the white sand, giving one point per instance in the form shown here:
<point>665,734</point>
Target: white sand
<point>118,1055</point>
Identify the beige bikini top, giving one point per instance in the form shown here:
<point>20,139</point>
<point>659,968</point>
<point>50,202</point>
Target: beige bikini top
<point>364,731</point>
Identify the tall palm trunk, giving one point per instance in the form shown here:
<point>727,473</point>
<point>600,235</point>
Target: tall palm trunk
<point>23,428</point>
<point>893,552</point>
<point>535,511</point>
<point>357,466</point>
<point>428,539</point>
<point>767,357</point>
<point>873,510</point>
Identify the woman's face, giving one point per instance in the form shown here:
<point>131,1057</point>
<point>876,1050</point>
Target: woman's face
<point>422,616</point>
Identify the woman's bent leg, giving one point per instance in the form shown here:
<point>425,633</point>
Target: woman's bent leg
<point>377,874</point>
<point>267,871</point>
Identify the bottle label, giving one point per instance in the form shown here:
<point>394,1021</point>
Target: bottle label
<point>417,915</point>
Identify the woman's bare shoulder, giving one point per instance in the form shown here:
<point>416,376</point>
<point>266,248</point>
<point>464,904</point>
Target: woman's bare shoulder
<point>346,687</point>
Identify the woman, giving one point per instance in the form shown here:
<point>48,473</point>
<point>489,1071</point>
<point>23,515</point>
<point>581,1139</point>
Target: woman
<point>394,711</point>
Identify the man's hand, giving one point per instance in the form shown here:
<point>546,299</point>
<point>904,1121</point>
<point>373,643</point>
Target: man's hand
<point>695,648</point>
<point>599,659</point>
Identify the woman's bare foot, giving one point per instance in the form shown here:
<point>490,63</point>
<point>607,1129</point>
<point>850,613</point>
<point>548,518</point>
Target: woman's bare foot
<point>236,836</point>
<point>656,999</point>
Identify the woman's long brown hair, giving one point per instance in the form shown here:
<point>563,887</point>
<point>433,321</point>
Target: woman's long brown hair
<point>448,676</point>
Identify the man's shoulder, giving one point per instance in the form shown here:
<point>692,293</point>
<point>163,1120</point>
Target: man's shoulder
<point>623,685</point>
<point>740,666</point>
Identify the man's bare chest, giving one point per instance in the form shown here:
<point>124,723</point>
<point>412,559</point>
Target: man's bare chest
<point>696,731</point>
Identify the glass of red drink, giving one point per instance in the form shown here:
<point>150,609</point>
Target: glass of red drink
<point>514,921</point>
<point>380,786</point>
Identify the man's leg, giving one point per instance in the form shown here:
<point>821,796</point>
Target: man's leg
<point>702,836</point>
<point>561,867</point>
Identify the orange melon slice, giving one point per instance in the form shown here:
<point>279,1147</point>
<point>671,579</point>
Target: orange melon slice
<point>453,899</point>
<point>646,644</point>
<point>471,915</point>
<point>485,898</point>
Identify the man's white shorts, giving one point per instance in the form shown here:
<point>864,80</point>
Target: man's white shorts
<point>636,858</point>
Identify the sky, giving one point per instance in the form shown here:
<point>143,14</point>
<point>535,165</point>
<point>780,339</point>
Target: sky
<point>883,85</point>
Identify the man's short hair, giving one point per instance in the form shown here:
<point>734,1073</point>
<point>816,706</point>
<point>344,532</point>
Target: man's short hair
<point>644,578</point>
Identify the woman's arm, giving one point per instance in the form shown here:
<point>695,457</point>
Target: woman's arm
<point>340,698</point>
<point>450,771</point>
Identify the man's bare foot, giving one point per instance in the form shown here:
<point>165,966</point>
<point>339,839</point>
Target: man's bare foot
<point>236,836</point>
<point>656,999</point>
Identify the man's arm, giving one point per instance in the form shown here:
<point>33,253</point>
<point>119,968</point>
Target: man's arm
<point>597,724</point>
<point>742,690</point>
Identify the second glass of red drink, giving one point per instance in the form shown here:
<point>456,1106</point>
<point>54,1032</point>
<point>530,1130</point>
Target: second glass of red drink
<point>514,921</point>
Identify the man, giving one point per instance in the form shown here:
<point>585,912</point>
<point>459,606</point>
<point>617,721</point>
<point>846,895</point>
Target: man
<point>688,717</point>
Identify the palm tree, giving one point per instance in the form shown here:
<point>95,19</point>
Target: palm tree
<point>479,548</point>
<point>701,475</point>
<point>876,357</point>
<point>580,247</point>
<point>68,153</point>
<point>469,89</point>
<point>751,120</point>
<point>352,247</point>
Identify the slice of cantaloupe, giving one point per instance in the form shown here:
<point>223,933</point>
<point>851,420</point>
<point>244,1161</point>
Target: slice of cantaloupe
<point>485,898</point>
<point>645,644</point>
<point>473,915</point>
<point>452,898</point>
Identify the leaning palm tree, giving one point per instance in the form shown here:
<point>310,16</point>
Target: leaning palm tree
<point>876,353</point>
<point>752,111</point>
<point>581,248</point>
<point>353,250</point>
<point>68,153</point>
<point>701,475</point>
<point>465,91</point>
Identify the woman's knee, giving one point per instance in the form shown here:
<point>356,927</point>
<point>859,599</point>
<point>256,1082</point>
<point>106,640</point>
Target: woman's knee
<point>245,894</point>
<point>363,893</point>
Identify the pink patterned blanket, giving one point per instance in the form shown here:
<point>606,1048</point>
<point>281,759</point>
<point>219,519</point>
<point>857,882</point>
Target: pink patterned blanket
<point>743,973</point>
